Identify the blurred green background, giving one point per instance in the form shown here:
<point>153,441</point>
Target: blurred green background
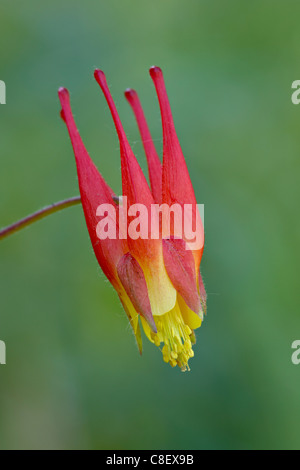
<point>74,378</point>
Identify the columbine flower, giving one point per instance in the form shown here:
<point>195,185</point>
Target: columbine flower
<point>157,279</point>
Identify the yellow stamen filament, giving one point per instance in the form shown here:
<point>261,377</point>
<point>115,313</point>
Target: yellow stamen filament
<point>175,334</point>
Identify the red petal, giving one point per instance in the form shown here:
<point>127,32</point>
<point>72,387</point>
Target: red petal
<point>132,277</point>
<point>176,182</point>
<point>134,183</point>
<point>94,191</point>
<point>177,186</point>
<point>180,266</point>
<point>147,251</point>
<point>154,164</point>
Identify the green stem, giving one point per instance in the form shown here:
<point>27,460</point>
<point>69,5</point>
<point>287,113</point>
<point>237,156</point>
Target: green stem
<point>30,219</point>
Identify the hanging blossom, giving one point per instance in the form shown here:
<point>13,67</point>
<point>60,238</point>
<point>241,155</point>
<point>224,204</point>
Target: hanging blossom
<point>158,278</point>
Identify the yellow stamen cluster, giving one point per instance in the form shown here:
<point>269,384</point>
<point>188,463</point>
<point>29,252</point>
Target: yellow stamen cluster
<point>176,336</point>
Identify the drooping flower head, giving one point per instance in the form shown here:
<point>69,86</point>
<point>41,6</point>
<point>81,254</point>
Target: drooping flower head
<point>157,277</point>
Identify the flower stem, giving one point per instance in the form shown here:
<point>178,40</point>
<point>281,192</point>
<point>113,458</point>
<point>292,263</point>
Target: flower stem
<point>30,219</point>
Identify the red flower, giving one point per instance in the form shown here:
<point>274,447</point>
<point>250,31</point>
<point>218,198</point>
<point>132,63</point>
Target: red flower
<point>157,278</point>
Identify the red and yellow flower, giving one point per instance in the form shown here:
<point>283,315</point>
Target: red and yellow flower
<point>158,280</point>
